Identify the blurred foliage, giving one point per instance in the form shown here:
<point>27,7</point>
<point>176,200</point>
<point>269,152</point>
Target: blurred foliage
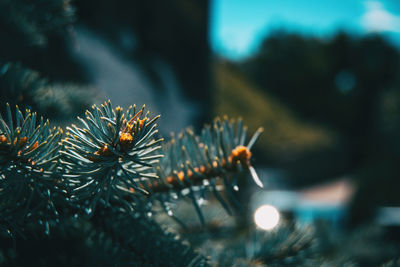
<point>39,34</point>
<point>294,245</point>
<point>26,24</point>
<point>26,88</point>
<point>77,242</point>
<point>285,133</point>
<point>340,82</point>
<point>64,101</point>
<point>18,85</point>
<point>335,82</point>
<point>304,149</point>
<point>35,59</point>
<point>388,117</point>
<point>339,98</point>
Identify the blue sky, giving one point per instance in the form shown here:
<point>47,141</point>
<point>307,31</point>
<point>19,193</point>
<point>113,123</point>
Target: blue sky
<point>238,26</point>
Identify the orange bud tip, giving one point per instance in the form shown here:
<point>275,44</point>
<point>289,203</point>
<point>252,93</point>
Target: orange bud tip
<point>181,175</point>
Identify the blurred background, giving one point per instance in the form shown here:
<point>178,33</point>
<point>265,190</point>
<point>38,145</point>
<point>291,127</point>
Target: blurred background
<point>321,78</point>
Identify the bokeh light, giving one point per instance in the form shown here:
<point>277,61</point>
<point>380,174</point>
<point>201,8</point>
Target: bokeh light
<point>266,217</point>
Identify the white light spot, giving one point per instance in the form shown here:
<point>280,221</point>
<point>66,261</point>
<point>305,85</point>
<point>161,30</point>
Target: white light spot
<point>266,217</point>
<point>201,201</point>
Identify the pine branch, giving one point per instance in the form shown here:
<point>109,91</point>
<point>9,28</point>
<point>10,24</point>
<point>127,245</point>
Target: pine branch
<point>108,159</point>
<point>193,164</point>
<point>392,263</point>
<point>109,238</point>
<point>18,86</point>
<point>143,241</point>
<point>29,175</point>
<point>287,246</point>
<point>112,160</point>
<point>26,88</point>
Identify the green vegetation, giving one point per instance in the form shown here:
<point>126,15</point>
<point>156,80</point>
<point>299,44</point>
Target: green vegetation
<point>286,133</point>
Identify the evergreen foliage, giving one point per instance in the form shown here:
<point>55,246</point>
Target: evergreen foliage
<point>193,165</point>
<point>28,89</point>
<point>18,85</point>
<point>28,158</point>
<point>109,169</point>
<point>33,58</point>
<point>109,159</point>
<point>28,25</point>
<point>93,195</point>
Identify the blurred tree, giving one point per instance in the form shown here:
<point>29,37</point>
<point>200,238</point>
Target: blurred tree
<point>351,85</point>
<point>306,150</point>
<point>334,82</point>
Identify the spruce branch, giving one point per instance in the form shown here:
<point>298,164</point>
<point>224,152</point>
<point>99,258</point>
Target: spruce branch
<point>26,88</point>
<point>29,174</point>
<point>142,241</point>
<point>18,85</point>
<point>111,157</point>
<point>392,263</point>
<point>286,246</point>
<point>193,164</point>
